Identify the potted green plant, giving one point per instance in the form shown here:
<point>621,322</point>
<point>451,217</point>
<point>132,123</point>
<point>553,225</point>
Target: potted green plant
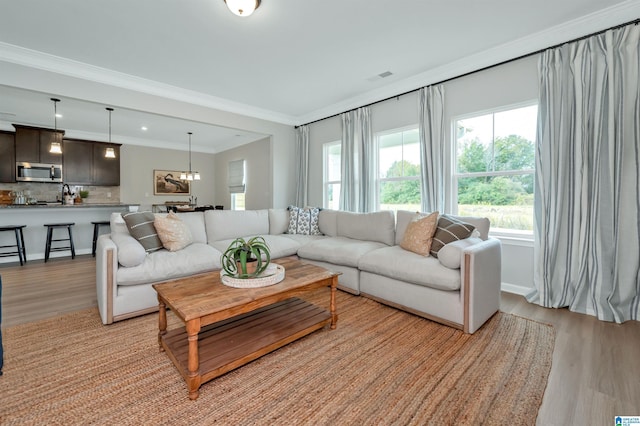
<point>244,259</point>
<point>84,194</point>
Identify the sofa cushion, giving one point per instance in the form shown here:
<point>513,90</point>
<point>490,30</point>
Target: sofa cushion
<point>451,254</point>
<point>117,224</point>
<point>449,229</point>
<point>226,224</point>
<point>164,265</point>
<point>419,234</point>
<point>279,245</point>
<point>140,226</point>
<point>338,250</point>
<point>328,222</point>
<point>377,226</point>
<point>130,251</point>
<point>395,262</point>
<point>278,221</point>
<point>173,232</point>
<point>303,221</point>
<point>195,222</point>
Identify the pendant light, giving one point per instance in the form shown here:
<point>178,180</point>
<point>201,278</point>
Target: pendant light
<point>109,152</point>
<point>242,7</point>
<point>56,147</point>
<point>190,175</point>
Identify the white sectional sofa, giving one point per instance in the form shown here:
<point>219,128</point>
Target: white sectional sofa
<point>363,247</point>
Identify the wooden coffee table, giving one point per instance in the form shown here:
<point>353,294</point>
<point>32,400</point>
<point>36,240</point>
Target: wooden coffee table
<point>228,327</point>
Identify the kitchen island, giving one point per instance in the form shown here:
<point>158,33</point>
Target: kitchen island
<point>36,215</point>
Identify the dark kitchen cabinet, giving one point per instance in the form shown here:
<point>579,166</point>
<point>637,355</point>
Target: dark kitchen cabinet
<point>32,144</point>
<point>84,163</point>
<point>77,158</point>
<point>7,157</point>
<point>106,171</point>
<point>46,138</point>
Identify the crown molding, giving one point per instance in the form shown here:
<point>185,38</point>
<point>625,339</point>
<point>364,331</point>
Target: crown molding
<point>594,22</point>
<point>68,67</point>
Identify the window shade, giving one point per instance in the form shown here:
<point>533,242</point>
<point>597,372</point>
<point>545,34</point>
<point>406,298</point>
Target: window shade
<point>236,177</point>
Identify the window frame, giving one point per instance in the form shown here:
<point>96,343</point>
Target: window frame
<point>503,233</point>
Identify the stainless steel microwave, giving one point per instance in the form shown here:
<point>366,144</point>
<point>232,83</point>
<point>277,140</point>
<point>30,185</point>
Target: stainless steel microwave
<point>37,172</point>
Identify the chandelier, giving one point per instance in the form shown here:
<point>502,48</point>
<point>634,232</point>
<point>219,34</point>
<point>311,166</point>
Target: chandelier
<point>190,175</point>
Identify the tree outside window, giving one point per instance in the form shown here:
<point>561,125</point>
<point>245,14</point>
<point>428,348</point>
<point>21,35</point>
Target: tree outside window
<point>399,170</point>
<point>495,162</point>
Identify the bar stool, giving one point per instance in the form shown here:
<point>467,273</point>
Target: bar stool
<point>96,232</point>
<point>19,245</point>
<point>48,248</point>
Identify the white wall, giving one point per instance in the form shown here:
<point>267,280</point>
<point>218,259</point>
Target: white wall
<point>511,83</point>
<point>137,164</point>
<point>259,165</point>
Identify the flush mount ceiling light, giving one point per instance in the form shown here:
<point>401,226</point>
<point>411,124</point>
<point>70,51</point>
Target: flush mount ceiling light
<point>190,175</point>
<point>109,152</point>
<point>242,7</point>
<point>56,147</point>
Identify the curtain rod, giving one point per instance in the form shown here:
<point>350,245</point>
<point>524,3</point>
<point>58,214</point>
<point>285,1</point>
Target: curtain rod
<point>634,22</point>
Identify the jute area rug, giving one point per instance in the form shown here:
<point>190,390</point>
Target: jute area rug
<point>381,366</point>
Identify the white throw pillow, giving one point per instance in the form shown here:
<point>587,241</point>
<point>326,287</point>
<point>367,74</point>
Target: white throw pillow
<point>173,232</point>
<point>130,251</point>
<point>451,254</point>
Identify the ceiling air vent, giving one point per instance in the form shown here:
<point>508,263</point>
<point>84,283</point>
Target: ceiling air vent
<point>380,76</point>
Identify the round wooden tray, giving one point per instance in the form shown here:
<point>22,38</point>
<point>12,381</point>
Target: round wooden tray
<point>272,275</point>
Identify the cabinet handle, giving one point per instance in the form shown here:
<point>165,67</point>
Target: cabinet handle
<point>53,172</point>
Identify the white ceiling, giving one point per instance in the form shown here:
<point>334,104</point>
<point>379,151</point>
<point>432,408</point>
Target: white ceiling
<point>292,61</point>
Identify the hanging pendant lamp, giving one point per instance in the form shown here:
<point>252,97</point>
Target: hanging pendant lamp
<point>56,147</point>
<point>242,7</point>
<point>109,152</point>
<point>190,175</point>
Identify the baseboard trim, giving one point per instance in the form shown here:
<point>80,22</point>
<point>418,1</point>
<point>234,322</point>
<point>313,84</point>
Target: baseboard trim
<point>515,289</point>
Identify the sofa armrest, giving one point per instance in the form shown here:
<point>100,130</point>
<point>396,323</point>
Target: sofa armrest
<point>106,269</point>
<point>481,273</point>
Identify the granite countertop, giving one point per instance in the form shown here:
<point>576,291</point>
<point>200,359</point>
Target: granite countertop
<point>67,206</point>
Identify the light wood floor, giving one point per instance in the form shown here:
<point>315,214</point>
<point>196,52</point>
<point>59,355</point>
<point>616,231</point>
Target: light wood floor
<point>596,365</point>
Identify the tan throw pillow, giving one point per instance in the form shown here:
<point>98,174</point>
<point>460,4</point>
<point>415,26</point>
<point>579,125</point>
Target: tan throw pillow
<point>417,238</point>
<point>449,229</point>
<point>140,225</point>
<point>173,232</point>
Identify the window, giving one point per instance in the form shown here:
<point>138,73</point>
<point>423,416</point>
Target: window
<point>332,179</point>
<point>399,170</point>
<point>237,201</point>
<point>494,170</point>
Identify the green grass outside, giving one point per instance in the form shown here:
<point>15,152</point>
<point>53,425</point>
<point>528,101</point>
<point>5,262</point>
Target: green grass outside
<point>508,217</point>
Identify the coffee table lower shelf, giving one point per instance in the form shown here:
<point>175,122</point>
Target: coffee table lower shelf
<point>231,343</point>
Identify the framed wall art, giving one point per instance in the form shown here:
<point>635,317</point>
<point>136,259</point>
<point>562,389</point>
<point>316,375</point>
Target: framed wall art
<point>168,182</point>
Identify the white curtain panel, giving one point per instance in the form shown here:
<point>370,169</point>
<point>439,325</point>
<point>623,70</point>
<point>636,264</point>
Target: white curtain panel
<point>432,148</point>
<point>587,202</point>
<point>302,165</point>
<point>357,192</point>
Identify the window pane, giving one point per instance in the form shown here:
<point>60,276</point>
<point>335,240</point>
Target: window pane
<point>515,134</point>
<point>506,200</point>
<point>333,196</point>
<point>474,144</point>
<point>400,195</point>
<point>399,154</point>
<point>333,162</point>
